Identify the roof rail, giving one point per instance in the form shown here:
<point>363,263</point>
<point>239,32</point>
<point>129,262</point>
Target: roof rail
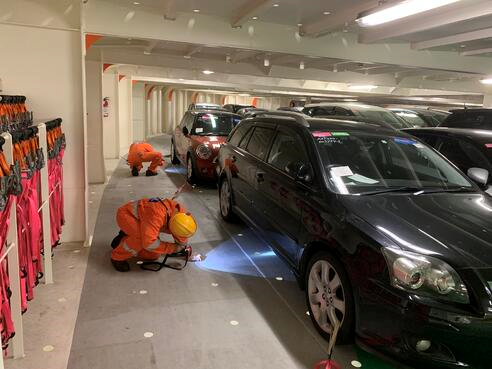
<point>298,117</point>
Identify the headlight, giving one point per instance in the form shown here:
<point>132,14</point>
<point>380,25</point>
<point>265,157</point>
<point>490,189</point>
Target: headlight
<point>203,152</point>
<point>425,275</point>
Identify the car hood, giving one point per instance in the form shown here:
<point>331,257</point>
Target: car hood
<point>455,227</point>
<point>214,142</point>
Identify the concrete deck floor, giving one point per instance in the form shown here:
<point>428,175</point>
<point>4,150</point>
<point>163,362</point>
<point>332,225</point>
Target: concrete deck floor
<point>239,308</point>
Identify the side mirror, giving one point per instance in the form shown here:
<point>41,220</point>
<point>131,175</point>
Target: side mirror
<point>479,175</point>
<point>185,131</point>
<point>300,171</point>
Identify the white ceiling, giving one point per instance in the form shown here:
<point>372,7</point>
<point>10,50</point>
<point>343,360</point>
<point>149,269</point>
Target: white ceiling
<point>458,18</point>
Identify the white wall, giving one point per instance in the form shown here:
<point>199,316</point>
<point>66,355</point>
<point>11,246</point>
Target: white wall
<point>110,131</point>
<point>125,126</point>
<point>96,169</point>
<point>138,100</point>
<point>45,65</point>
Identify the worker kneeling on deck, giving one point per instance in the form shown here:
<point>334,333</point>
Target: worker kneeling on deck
<point>141,222</point>
<point>141,152</point>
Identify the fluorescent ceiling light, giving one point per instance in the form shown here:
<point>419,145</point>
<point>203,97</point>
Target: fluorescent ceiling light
<point>486,81</point>
<point>266,62</point>
<point>276,5</point>
<point>362,87</point>
<point>136,3</point>
<point>350,100</point>
<point>326,13</point>
<point>208,71</point>
<point>196,10</point>
<point>400,10</point>
<point>301,65</point>
<point>255,17</point>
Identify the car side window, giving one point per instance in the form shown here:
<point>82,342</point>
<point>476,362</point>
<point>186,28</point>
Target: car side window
<point>259,142</point>
<point>342,111</point>
<point>461,154</point>
<point>287,149</point>
<point>238,134</point>
<point>189,122</point>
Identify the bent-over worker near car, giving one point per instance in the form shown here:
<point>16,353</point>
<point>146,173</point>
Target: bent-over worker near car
<point>141,152</point>
<point>141,222</point>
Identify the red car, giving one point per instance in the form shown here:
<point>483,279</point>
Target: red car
<point>197,140</point>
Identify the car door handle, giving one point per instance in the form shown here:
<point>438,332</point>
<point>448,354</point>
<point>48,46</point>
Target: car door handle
<point>260,176</point>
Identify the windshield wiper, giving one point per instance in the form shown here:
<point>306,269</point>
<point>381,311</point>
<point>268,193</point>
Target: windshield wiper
<point>394,189</point>
<point>419,190</point>
<point>453,189</point>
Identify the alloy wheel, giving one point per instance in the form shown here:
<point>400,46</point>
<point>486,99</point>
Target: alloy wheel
<point>225,198</point>
<point>325,293</point>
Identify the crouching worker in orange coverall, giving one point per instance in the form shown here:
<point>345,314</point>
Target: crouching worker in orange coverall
<point>141,222</point>
<point>141,152</point>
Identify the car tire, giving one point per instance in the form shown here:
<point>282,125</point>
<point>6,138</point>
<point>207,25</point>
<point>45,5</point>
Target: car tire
<point>327,286</point>
<point>174,157</point>
<point>225,201</point>
<point>191,176</point>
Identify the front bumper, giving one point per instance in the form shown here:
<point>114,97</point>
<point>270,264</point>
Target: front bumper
<point>206,168</point>
<point>392,323</point>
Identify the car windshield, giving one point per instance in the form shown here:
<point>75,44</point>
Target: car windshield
<point>210,124</point>
<point>411,118</point>
<point>364,163</point>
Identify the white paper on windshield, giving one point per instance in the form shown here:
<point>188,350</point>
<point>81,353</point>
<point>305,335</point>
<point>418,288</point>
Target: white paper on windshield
<point>363,179</point>
<point>341,171</point>
<point>198,130</point>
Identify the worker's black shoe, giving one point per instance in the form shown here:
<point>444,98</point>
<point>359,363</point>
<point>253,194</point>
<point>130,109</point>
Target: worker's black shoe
<point>121,266</point>
<point>116,241</point>
<point>135,172</point>
<point>149,173</point>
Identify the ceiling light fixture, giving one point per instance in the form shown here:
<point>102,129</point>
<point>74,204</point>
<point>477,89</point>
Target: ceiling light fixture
<point>362,87</point>
<point>276,5</point>
<point>398,11</point>
<point>136,3</point>
<point>326,13</point>
<point>486,81</point>
<point>255,18</point>
<point>146,52</point>
<point>301,65</point>
<point>206,71</point>
<point>266,62</point>
<point>187,56</point>
<point>299,24</point>
<point>196,10</point>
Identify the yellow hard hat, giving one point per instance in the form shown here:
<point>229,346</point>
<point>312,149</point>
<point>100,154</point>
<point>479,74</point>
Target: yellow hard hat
<point>182,225</point>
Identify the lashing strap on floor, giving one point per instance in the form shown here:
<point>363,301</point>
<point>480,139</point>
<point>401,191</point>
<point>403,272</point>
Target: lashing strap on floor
<point>155,266</point>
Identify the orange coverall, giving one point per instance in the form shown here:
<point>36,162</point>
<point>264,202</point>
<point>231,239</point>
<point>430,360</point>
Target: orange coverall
<point>144,152</point>
<point>142,221</point>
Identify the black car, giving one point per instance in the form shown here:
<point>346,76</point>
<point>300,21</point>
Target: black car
<point>469,118</point>
<point>420,117</point>
<point>356,112</point>
<point>469,149</point>
<point>234,108</point>
<point>385,235</point>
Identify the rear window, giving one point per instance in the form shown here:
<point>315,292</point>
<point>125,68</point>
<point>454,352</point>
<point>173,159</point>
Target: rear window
<point>411,118</point>
<point>469,119</point>
<point>209,124</point>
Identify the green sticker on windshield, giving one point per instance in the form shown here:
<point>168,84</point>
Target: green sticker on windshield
<point>339,134</point>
